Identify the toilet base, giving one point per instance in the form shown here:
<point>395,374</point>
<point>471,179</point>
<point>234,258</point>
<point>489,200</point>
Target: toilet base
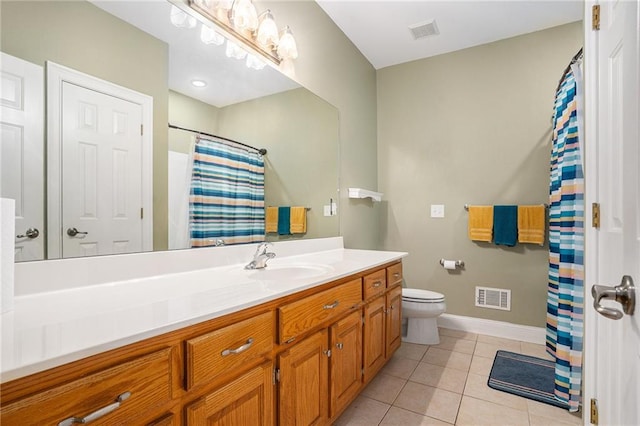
<point>423,331</point>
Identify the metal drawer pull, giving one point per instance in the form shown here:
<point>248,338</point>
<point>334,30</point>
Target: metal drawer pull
<point>101,412</point>
<point>339,345</point>
<point>238,349</point>
<point>377,284</point>
<point>396,275</point>
<point>331,306</point>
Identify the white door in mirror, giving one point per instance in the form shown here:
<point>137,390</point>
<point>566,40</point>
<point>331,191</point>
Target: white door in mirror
<point>22,154</point>
<point>102,173</point>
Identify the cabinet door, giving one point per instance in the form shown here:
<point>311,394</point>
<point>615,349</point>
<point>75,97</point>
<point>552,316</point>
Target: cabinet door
<point>304,382</point>
<point>248,400</point>
<point>346,360</point>
<point>394,320</point>
<point>374,337</point>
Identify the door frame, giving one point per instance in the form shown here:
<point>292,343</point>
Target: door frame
<point>56,76</point>
<point>591,196</point>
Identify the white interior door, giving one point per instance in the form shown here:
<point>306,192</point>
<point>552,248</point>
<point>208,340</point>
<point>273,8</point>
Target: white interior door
<point>101,173</point>
<point>22,151</point>
<point>613,373</point>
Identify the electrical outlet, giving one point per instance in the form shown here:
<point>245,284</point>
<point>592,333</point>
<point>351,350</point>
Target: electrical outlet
<point>437,210</point>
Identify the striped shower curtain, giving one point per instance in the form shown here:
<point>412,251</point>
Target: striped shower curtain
<point>227,195</point>
<point>565,302</point>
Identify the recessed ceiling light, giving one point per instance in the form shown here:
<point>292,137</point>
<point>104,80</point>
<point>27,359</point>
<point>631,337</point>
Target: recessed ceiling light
<point>198,83</point>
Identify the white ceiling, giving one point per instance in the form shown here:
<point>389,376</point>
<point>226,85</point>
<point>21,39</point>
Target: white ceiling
<point>380,29</point>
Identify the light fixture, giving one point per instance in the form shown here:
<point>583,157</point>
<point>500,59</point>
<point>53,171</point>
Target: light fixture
<point>239,21</point>
<point>287,48</point>
<point>181,19</point>
<point>267,32</point>
<point>198,83</point>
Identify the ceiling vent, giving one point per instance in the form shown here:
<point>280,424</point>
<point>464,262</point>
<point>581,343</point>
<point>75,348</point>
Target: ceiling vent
<point>424,29</point>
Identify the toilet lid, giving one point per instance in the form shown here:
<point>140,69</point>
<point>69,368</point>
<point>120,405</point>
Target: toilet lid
<point>416,294</point>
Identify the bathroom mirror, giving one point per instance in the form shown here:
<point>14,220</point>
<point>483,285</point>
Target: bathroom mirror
<point>133,44</point>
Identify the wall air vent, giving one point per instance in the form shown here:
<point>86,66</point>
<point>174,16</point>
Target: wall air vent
<point>494,298</point>
<point>424,29</point>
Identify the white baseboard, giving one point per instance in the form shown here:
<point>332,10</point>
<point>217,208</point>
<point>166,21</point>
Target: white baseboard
<point>507,330</point>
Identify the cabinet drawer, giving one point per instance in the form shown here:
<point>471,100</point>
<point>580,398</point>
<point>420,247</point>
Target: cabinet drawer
<point>301,316</point>
<point>394,274</point>
<point>227,349</point>
<point>375,283</point>
<point>146,379</point>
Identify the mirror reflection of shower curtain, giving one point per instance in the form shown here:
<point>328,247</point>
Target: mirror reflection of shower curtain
<point>227,195</point>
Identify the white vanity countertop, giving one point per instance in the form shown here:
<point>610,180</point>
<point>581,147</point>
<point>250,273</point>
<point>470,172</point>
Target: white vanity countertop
<point>49,329</point>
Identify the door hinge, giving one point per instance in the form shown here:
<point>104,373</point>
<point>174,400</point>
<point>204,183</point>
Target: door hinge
<point>595,17</point>
<point>276,375</point>
<point>142,130</point>
<point>595,215</point>
<point>594,411</point>
<point>141,212</point>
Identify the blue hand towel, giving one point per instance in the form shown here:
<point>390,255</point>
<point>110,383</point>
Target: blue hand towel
<point>505,225</point>
<point>284,220</point>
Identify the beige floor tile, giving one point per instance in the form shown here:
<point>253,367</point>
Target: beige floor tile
<point>458,334</point>
<point>429,401</point>
<point>399,417</point>
<point>545,421</point>
<point>439,377</point>
<point>477,387</point>
<point>489,350</point>
<point>449,359</point>
<point>532,349</point>
<point>456,345</point>
<point>505,344</point>
<point>550,412</point>
<point>400,367</point>
<point>476,412</point>
<point>363,412</point>
<point>480,365</point>
<point>384,388</point>
<point>411,351</point>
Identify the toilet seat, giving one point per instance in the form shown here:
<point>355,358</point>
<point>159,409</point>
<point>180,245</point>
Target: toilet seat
<point>417,295</point>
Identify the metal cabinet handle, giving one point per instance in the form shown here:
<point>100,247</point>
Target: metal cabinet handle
<point>331,306</point>
<point>339,345</point>
<point>72,232</point>
<point>31,233</point>
<point>377,284</point>
<point>396,275</point>
<point>100,412</point>
<point>624,294</point>
<point>239,349</point>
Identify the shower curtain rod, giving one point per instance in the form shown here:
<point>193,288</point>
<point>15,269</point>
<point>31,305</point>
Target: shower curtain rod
<point>575,59</point>
<point>261,151</point>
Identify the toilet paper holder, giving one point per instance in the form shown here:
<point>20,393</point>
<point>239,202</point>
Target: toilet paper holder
<point>459,263</point>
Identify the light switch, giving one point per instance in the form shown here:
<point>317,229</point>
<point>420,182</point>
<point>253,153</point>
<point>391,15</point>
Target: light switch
<point>437,210</point>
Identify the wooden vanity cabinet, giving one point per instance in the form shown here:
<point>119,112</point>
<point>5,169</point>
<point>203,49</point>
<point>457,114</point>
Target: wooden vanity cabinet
<point>296,360</point>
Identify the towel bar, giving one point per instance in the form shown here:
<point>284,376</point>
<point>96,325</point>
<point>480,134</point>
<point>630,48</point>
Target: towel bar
<point>466,206</point>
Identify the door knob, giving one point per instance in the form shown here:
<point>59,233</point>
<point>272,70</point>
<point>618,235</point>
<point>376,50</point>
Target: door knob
<point>625,294</point>
<point>31,233</point>
<point>72,232</point>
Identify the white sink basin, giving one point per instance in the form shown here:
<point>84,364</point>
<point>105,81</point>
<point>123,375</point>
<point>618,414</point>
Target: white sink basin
<point>289,272</point>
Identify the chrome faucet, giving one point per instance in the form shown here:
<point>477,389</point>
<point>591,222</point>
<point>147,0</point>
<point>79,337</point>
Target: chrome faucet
<point>260,257</point>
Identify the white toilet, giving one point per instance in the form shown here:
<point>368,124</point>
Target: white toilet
<point>421,308</point>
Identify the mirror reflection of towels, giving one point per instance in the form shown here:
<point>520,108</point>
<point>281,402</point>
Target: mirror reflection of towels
<point>271,220</point>
<point>284,220</point>
<point>298,220</point>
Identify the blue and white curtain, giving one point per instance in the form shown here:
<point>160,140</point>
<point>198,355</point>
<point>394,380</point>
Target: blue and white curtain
<point>227,195</point>
<point>565,302</point>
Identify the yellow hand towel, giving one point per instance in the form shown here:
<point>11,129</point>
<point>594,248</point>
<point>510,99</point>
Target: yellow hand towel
<point>480,223</point>
<point>271,220</point>
<point>531,224</point>
<point>298,220</point>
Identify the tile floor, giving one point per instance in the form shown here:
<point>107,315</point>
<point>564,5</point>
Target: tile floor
<point>446,384</point>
